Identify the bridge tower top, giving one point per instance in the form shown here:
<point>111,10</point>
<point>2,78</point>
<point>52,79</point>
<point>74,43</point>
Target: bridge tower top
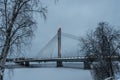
<point>59,63</point>
<point>59,42</point>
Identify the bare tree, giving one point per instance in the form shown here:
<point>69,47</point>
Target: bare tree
<point>101,43</point>
<point>17,24</point>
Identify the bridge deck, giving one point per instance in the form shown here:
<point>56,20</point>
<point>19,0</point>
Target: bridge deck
<point>69,59</point>
<point>75,59</point>
<point>27,62</point>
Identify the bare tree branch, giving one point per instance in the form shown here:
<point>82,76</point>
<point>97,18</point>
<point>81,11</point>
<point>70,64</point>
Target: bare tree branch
<point>17,25</point>
<point>103,42</point>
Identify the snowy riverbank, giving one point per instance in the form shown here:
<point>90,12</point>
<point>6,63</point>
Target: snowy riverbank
<point>50,74</point>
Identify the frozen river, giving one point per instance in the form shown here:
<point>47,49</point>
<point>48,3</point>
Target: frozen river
<point>49,73</point>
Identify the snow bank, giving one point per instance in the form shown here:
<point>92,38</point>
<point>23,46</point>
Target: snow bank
<point>50,74</point>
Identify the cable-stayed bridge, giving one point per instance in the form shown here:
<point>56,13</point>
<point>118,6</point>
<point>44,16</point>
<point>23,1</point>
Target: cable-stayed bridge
<point>53,51</point>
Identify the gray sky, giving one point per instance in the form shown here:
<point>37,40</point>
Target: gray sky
<point>75,17</point>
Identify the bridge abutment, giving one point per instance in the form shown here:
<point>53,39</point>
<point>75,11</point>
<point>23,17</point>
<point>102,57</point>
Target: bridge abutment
<point>87,65</point>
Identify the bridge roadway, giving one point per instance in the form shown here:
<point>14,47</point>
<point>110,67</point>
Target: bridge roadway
<point>69,59</point>
<point>66,59</point>
<point>35,62</point>
<point>30,61</point>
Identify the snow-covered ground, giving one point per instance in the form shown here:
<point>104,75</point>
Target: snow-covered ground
<point>50,73</point>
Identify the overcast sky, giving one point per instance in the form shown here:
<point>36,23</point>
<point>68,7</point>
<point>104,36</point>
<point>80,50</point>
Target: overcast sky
<point>75,17</point>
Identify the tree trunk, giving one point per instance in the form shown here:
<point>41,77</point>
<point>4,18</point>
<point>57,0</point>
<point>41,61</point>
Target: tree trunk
<point>1,73</point>
<point>6,48</point>
<point>1,77</point>
<point>4,54</point>
<point>2,61</point>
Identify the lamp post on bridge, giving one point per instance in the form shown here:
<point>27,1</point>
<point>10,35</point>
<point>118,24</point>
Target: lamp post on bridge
<point>59,63</point>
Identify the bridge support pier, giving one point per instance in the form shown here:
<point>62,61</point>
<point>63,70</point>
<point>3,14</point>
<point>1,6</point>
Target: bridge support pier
<point>59,63</point>
<point>26,63</point>
<point>86,65</point>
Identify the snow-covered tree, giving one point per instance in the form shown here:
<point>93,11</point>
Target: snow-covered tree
<point>102,43</point>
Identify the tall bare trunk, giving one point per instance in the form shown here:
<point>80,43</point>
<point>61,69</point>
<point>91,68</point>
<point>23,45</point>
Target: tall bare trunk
<point>4,54</point>
<point>3,59</point>
<point>1,77</point>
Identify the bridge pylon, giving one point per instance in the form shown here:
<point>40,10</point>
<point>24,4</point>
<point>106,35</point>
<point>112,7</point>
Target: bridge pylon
<point>59,62</point>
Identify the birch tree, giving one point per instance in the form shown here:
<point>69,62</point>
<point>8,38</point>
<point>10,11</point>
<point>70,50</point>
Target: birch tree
<point>17,25</point>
